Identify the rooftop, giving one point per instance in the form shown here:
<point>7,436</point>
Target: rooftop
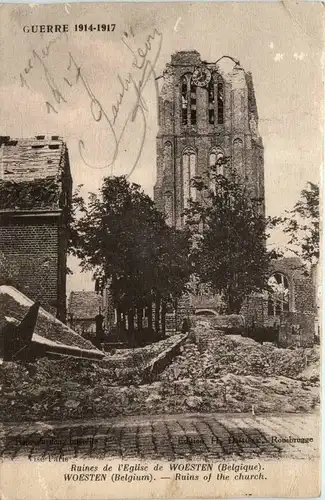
<point>31,171</point>
<point>28,159</point>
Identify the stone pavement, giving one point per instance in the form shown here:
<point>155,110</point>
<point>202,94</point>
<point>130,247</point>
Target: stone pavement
<point>204,436</point>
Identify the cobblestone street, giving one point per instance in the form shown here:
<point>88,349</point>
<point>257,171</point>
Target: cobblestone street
<point>205,436</point>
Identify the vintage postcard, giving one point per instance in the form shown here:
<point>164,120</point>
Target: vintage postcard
<point>160,178</point>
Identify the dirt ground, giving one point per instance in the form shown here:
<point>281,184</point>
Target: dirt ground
<point>213,373</point>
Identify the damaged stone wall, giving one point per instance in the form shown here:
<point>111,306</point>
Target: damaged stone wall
<point>297,329</point>
<point>298,325</point>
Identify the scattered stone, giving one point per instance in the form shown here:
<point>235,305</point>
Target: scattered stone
<point>71,403</point>
<point>153,397</point>
<point>193,402</point>
<point>216,373</point>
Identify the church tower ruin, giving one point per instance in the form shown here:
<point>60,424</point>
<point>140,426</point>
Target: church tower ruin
<point>206,111</point>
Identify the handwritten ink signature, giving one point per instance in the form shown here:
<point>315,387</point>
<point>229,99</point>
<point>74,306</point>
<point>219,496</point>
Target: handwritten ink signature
<point>45,52</point>
<point>143,69</point>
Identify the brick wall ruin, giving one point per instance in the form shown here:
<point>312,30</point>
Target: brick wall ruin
<point>35,187</point>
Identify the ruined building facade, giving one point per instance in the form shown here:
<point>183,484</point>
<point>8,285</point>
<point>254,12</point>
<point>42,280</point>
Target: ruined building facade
<point>35,196</point>
<point>206,111</point>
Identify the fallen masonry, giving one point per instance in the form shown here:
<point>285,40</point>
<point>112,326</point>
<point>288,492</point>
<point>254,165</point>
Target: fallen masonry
<point>210,373</point>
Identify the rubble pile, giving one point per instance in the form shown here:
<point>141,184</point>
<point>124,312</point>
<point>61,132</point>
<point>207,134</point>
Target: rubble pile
<point>140,356</point>
<point>75,388</point>
<point>214,372</point>
<point>55,389</point>
<point>222,372</point>
<point>219,354</point>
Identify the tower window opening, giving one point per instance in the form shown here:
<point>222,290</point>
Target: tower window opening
<point>211,101</point>
<point>184,100</point>
<point>188,96</point>
<point>189,171</point>
<point>212,164</point>
<point>193,104</point>
<point>211,92</point>
<point>184,116</point>
<point>220,103</point>
<point>216,164</point>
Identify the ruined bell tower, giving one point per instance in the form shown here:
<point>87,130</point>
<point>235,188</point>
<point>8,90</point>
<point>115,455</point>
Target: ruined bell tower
<point>206,111</point>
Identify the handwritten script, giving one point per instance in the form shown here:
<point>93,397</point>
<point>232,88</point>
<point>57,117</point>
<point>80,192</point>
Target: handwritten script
<point>118,116</point>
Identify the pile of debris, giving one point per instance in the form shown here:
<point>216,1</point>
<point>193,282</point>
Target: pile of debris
<point>221,372</point>
<point>216,354</point>
<point>212,372</point>
<point>77,388</point>
<point>141,356</point>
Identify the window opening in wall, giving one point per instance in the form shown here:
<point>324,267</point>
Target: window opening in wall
<point>278,301</point>
<point>211,101</point>
<point>189,171</point>
<point>188,101</point>
<point>215,160</point>
<point>212,163</point>
<point>220,103</point>
<point>184,100</point>
<point>193,104</point>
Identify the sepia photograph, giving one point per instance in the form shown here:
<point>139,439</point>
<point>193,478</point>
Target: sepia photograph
<point>160,273</point>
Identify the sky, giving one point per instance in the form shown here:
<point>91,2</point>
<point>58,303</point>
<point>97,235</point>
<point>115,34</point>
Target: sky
<point>280,43</point>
